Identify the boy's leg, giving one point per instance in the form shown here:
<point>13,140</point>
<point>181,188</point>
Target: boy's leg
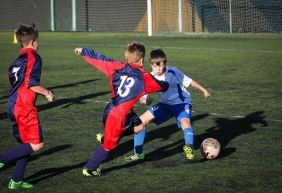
<point>92,166</point>
<point>183,113</point>
<point>139,139</point>
<point>21,151</point>
<point>138,146</point>
<point>159,114</point>
<point>189,136</point>
<point>16,182</point>
<point>20,168</point>
<point>189,143</point>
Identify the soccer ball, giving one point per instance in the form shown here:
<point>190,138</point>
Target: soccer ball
<point>210,148</point>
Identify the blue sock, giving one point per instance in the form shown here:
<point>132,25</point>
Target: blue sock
<point>189,136</point>
<point>22,150</point>
<point>99,156</point>
<point>20,168</point>
<point>139,141</point>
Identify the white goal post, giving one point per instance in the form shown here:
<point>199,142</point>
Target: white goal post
<point>214,16</point>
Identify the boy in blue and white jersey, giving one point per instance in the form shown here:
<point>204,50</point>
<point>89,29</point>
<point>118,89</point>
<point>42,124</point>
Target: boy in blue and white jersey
<point>175,102</point>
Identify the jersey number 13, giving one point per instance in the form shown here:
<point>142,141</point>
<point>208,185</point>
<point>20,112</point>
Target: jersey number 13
<point>126,83</point>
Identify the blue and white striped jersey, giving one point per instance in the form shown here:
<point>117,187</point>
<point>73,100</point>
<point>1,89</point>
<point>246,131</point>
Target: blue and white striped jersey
<point>178,82</point>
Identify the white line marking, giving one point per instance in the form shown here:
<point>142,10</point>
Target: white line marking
<point>213,114</point>
<point>167,47</point>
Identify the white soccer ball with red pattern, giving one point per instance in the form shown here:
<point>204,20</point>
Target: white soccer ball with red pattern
<point>210,148</point>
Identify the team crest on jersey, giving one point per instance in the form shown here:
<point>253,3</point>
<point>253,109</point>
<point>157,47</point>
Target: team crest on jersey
<point>155,107</point>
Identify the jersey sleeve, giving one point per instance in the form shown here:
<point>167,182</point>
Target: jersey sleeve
<point>182,78</point>
<point>153,85</point>
<point>106,65</point>
<point>34,69</point>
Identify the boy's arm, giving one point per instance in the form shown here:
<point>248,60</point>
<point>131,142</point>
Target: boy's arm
<point>99,61</point>
<point>154,85</point>
<point>186,81</point>
<point>198,86</point>
<point>34,74</point>
<point>43,91</point>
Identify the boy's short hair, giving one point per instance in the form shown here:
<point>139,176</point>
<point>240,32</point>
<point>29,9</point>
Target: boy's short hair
<point>157,57</point>
<point>134,52</point>
<point>26,33</point>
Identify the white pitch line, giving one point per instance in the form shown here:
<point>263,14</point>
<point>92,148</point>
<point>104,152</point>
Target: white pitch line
<point>240,116</point>
<point>213,114</point>
<point>171,47</point>
<point>227,50</point>
<point>209,49</point>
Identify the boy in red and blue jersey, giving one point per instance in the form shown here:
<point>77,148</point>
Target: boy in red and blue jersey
<point>128,82</point>
<point>24,76</point>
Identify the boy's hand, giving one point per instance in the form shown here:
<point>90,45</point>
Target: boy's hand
<point>50,96</point>
<point>206,93</point>
<point>146,100</point>
<point>78,51</point>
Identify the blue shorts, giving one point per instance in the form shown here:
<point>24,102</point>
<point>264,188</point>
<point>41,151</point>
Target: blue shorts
<point>163,112</point>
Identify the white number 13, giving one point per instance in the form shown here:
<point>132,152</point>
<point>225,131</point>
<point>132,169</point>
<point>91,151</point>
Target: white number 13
<point>125,85</point>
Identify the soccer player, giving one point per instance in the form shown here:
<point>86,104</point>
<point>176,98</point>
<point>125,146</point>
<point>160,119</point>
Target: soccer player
<point>175,102</point>
<point>128,82</point>
<point>24,76</point>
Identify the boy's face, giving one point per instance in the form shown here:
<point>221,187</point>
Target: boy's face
<point>158,68</point>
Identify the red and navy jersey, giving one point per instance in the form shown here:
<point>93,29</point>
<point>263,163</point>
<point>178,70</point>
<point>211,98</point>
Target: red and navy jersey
<point>128,82</point>
<point>24,72</point>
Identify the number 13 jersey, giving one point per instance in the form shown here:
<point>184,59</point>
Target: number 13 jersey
<point>128,82</point>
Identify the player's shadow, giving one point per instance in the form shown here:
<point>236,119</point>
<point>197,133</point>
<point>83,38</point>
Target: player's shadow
<point>52,172</point>
<point>66,102</point>
<point>225,130</point>
<point>73,84</point>
<point>163,133</point>
<point>43,153</point>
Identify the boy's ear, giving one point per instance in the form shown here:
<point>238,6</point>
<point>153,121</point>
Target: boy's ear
<point>141,61</point>
<point>34,43</point>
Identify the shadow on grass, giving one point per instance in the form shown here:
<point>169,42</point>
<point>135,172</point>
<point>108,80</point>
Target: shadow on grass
<point>225,130</point>
<point>72,84</point>
<point>123,148</point>
<point>67,101</point>
<point>51,172</point>
<point>163,133</point>
<point>43,153</point>
<point>70,101</point>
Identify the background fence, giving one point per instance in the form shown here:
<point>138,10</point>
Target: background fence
<point>225,16</point>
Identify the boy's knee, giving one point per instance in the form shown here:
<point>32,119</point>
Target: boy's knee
<point>139,128</point>
<point>37,147</point>
<point>185,123</point>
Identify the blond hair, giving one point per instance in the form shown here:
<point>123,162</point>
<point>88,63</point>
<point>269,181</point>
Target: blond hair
<point>134,52</point>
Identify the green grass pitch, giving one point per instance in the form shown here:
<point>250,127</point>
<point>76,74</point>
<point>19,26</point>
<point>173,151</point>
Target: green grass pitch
<point>243,73</point>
